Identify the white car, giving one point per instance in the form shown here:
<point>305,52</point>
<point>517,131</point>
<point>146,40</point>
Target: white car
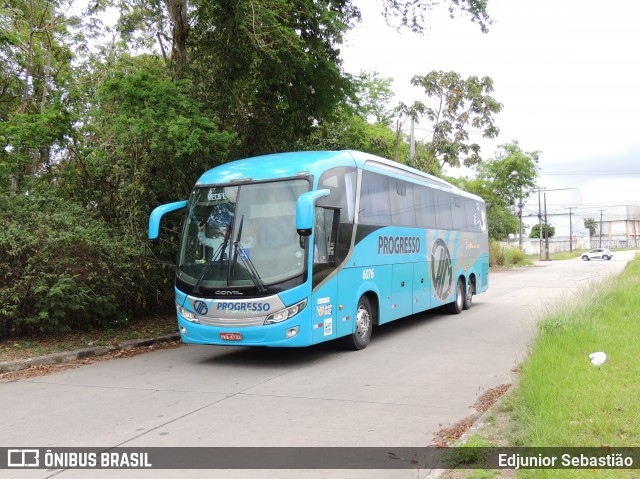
<point>598,253</point>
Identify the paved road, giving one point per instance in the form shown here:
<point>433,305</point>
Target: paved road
<point>417,376</point>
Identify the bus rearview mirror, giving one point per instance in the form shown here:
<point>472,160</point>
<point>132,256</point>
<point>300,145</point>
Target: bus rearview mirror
<point>158,213</point>
<point>305,211</point>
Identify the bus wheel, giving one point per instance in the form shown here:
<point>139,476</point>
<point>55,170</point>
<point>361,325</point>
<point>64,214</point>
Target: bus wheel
<point>457,305</point>
<point>468,297</point>
<point>364,323</point>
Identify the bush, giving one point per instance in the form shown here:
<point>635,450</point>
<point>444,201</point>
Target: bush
<point>501,256</point>
<point>496,254</point>
<point>513,256</point>
<point>62,269</point>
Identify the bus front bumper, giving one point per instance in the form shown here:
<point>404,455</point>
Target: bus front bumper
<point>294,332</point>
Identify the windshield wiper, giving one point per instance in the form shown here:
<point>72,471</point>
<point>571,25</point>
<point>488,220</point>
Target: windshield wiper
<point>246,261</point>
<point>218,255</point>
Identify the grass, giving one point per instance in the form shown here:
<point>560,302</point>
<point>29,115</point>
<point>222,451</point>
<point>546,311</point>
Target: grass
<point>560,256</point>
<point>561,399</point>
<point>40,345</point>
<point>564,255</point>
<point>501,256</point>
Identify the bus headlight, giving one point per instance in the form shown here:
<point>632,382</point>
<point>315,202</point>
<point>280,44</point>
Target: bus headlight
<point>188,315</point>
<point>286,313</point>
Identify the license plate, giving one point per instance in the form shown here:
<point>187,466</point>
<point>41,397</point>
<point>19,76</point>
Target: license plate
<point>231,336</point>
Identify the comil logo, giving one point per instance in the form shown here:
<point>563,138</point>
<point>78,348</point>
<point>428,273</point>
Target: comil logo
<point>201,307</point>
<point>441,270</point>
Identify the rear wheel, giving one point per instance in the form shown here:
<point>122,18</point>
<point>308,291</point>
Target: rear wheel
<point>468,297</point>
<point>605,257</point>
<point>364,323</point>
<point>457,305</point>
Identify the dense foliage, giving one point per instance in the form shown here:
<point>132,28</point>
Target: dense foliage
<point>101,123</point>
<point>61,268</point>
<point>547,230</point>
<point>504,182</point>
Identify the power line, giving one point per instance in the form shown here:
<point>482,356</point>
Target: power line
<point>590,173</point>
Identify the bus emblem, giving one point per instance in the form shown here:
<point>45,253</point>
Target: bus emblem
<point>201,307</point>
<point>441,270</point>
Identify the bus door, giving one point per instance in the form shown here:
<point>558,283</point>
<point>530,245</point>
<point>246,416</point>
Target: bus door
<point>324,299</point>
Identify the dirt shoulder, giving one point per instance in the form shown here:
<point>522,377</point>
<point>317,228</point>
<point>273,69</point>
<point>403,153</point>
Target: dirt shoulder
<point>43,354</point>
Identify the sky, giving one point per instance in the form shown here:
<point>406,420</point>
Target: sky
<point>566,71</point>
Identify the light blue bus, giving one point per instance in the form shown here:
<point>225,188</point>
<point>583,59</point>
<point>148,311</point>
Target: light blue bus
<point>295,249</point>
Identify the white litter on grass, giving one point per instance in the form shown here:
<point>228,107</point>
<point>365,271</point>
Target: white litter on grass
<point>598,359</point>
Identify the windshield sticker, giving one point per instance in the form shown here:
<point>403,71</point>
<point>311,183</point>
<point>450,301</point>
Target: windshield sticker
<point>324,310</point>
<point>216,195</point>
<point>328,326</point>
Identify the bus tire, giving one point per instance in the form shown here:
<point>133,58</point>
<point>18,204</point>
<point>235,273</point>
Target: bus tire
<point>364,324</point>
<point>468,297</point>
<point>457,305</point>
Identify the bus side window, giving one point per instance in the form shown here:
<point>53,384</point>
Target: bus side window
<point>443,210</point>
<point>325,234</point>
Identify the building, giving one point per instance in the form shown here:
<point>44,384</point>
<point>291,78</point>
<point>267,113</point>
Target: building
<point>563,209</point>
<point>616,226</point>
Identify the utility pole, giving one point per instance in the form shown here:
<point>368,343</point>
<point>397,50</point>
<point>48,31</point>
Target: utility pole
<point>520,205</point>
<point>600,242</point>
<point>412,140</point>
<point>546,228</point>
<point>570,232</point>
<point>540,222</point>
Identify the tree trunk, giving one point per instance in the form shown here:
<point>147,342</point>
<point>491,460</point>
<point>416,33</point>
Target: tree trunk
<point>179,17</point>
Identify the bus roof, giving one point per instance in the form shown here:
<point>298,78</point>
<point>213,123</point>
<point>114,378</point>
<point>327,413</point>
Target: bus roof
<point>314,163</point>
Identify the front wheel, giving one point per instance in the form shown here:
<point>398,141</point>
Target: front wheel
<point>364,323</point>
<point>585,258</point>
<point>457,305</point>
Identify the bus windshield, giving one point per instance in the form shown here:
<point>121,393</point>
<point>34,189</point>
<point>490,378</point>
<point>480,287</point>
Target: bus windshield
<point>243,235</point>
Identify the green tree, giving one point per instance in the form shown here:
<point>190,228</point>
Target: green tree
<point>362,123</point>
<point>165,23</point>
<point>270,70</point>
<point>372,97</point>
<point>503,182</point>
<point>513,173</point>
<point>143,142</point>
<point>412,13</point>
<point>546,230</point>
<point>350,131</point>
<point>592,225</point>
<point>35,73</point>
<point>457,107</point>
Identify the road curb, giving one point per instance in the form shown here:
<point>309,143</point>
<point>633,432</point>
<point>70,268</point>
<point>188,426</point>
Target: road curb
<point>67,356</point>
